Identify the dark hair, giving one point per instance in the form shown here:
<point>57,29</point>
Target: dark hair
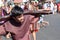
<point>16,10</point>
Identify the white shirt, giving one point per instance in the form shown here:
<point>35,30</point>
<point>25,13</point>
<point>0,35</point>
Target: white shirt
<point>52,6</point>
<point>45,6</point>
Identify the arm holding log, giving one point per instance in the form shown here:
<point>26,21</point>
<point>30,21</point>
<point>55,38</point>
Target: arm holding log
<point>5,17</point>
<point>37,13</point>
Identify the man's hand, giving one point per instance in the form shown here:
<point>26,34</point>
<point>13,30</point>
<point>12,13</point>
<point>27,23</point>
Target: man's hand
<point>8,35</point>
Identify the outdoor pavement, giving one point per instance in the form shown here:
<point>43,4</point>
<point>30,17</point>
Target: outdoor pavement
<point>51,32</point>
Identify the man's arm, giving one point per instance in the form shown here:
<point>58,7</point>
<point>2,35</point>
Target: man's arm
<point>5,17</point>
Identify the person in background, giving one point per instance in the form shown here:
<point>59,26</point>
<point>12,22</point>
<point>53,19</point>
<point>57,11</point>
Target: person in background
<point>11,2</point>
<point>33,6</point>
<point>45,5</point>
<point>26,6</point>
<point>51,6</point>
<point>41,23</point>
<point>40,6</point>
<point>22,6</point>
<point>10,5</point>
<point>30,6</point>
<point>55,7</point>
<point>36,5</point>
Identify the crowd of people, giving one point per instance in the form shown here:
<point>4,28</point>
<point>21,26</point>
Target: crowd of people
<point>19,26</point>
<point>33,5</point>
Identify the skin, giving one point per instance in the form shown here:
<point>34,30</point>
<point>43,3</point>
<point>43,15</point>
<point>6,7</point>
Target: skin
<point>19,18</point>
<point>33,33</point>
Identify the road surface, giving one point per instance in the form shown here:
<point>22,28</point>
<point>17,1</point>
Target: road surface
<point>51,32</point>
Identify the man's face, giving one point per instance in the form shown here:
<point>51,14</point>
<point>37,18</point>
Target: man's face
<point>19,18</point>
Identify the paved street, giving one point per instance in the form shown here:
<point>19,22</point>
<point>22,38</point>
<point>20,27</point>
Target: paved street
<point>51,32</point>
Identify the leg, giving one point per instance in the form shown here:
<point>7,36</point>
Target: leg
<point>33,31</point>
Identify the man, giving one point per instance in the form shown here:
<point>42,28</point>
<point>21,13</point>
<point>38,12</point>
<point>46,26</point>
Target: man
<point>17,25</point>
<point>40,6</point>
<point>49,6</point>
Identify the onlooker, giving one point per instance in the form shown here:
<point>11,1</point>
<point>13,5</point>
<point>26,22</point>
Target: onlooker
<point>31,6</point>
<point>55,7</point>
<point>40,6</point>
<point>22,6</point>
<point>52,6</point>
<point>49,5</point>
<point>45,5</point>
<point>26,6</point>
